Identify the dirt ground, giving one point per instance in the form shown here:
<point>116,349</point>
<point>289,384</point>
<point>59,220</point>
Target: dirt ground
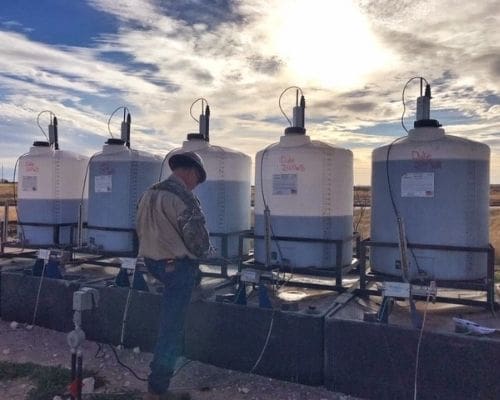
<point>204,382</point>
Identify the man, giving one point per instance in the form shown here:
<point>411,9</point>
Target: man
<point>172,236</point>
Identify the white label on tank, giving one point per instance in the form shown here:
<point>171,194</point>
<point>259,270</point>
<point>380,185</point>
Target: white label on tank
<point>284,184</point>
<point>396,289</point>
<point>128,263</point>
<point>44,254</point>
<point>29,183</point>
<point>103,184</point>
<point>417,184</point>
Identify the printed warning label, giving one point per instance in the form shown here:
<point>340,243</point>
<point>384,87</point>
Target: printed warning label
<point>103,184</point>
<point>417,184</point>
<point>284,184</point>
<point>29,183</point>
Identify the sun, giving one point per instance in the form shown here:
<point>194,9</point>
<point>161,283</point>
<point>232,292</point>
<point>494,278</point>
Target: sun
<point>325,42</point>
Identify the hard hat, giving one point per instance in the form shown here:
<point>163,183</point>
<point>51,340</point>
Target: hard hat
<point>188,159</point>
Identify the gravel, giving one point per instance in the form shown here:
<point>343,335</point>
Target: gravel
<point>202,381</point>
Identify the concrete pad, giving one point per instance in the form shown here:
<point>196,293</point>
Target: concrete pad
<point>104,324</point>
<point>377,361</point>
<point>18,297</point>
<point>233,336</point>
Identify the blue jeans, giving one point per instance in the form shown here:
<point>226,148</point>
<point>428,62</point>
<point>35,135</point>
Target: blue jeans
<point>178,285</point>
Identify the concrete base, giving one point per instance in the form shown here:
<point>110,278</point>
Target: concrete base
<point>105,323</point>
<point>233,336</point>
<point>308,346</point>
<point>377,361</point>
<point>18,297</point>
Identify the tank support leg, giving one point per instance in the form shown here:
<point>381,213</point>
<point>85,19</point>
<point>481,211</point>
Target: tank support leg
<point>264,301</point>
<point>385,310</point>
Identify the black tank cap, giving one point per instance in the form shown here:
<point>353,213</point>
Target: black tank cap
<point>195,136</point>
<point>41,144</point>
<point>115,141</point>
<point>295,130</point>
<point>427,123</point>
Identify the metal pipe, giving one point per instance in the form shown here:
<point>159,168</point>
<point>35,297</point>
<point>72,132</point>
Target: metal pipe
<point>79,232</point>
<point>5,228</point>
<point>79,375</point>
<point>73,369</point>
<point>362,266</point>
<point>490,280</point>
<point>338,264</point>
<point>267,221</point>
<point>2,240</point>
<point>56,134</point>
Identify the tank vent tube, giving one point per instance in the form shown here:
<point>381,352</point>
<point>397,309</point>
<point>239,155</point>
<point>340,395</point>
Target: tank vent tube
<point>424,104</point>
<point>298,117</point>
<point>203,120</point>
<point>125,125</point>
<point>205,124</point>
<point>423,113</point>
<point>53,133</point>
<point>125,128</point>
<point>299,112</point>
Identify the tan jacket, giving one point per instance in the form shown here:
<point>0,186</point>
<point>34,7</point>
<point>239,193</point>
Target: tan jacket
<point>160,218</point>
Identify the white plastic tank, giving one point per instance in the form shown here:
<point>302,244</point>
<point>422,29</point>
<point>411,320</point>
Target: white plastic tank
<point>308,188</point>
<point>49,193</point>
<point>440,188</point>
<point>118,176</point>
<point>225,195</point>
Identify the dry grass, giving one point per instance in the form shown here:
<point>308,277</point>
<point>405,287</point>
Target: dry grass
<point>495,195</point>
<point>6,191</point>
<point>362,221</point>
<point>12,214</point>
<point>495,231</point>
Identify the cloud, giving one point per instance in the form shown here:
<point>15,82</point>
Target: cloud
<point>202,14</point>
<point>361,106</point>
<point>164,54</point>
<point>265,65</point>
<point>14,25</point>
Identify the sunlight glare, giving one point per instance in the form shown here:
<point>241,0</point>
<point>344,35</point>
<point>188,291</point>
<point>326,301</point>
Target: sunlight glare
<point>326,42</point>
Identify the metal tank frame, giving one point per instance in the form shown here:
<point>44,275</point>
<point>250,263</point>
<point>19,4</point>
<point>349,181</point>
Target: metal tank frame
<point>4,225</point>
<point>337,271</point>
<point>368,277</point>
<point>55,234</point>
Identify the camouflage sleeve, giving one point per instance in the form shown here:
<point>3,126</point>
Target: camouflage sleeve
<point>191,224</point>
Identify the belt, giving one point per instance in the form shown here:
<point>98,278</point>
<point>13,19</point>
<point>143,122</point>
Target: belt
<point>172,260</point>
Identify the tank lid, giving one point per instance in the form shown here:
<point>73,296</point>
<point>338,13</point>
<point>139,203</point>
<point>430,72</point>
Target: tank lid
<point>295,130</point>
<point>41,144</point>
<point>115,141</point>
<point>195,136</point>
<point>426,123</point>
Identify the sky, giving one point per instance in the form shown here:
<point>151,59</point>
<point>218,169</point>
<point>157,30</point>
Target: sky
<point>83,59</point>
